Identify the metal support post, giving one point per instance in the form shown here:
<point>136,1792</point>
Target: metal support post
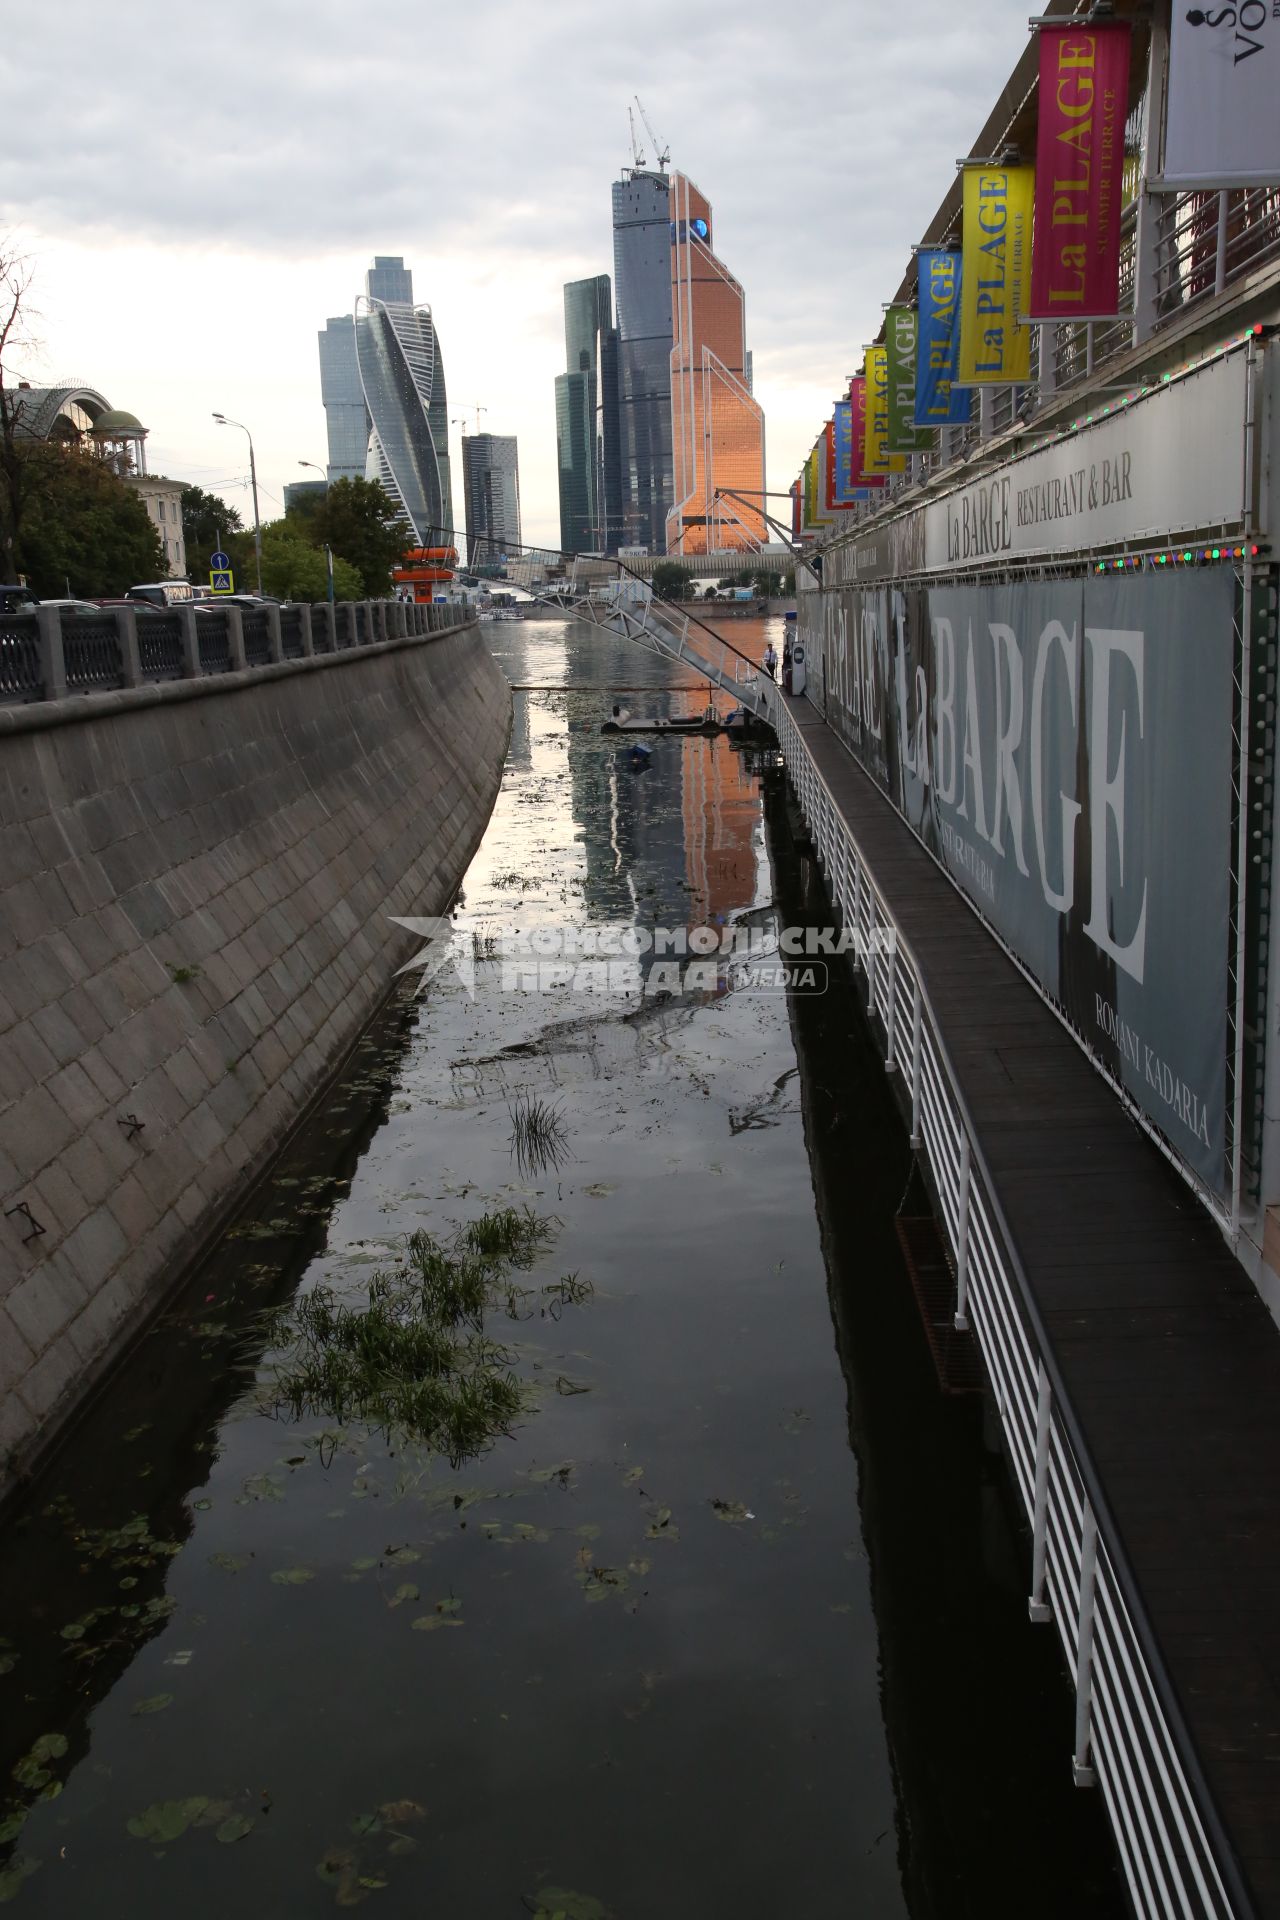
<point>962,1235</point>
<point>1081,1771</point>
<point>917,1054</point>
<point>871,951</point>
<point>1037,1608</point>
<point>1220,254</point>
<point>890,1064</point>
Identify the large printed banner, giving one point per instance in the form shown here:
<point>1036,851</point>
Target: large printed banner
<point>940,401</point>
<point>1083,103</point>
<point>995,344</point>
<point>901,341</point>
<point>1222,126</point>
<point>858,429</point>
<point>876,457</point>
<point>844,493</point>
<point>1064,749</point>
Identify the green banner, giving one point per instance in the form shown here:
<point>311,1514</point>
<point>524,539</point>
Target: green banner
<point>901,334</point>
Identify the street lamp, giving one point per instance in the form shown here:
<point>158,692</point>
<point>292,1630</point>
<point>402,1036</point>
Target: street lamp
<point>328,550</point>
<point>223,421</point>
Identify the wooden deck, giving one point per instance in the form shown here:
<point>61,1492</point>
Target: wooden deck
<point>1170,1359</point>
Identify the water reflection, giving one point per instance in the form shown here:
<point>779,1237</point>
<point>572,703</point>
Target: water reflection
<point>656,1666</point>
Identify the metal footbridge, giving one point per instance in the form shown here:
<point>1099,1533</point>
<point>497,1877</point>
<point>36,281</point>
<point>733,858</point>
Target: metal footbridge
<point>668,630</point>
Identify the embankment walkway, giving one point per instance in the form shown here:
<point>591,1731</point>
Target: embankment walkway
<point>1161,1350</point>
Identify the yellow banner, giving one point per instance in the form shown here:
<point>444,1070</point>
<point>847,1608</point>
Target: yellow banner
<point>876,458</point>
<point>995,283</point>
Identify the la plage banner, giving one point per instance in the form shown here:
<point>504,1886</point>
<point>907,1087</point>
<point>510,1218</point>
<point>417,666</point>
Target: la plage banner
<point>1222,120</point>
<point>876,458</point>
<point>940,401</point>
<point>901,342</point>
<point>1084,95</point>
<point>843,492</point>
<point>858,425</point>
<point>995,290</point>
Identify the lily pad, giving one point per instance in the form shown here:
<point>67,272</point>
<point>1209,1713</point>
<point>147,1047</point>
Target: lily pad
<point>156,1703</point>
<point>50,1746</point>
<point>429,1622</point>
<point>20,1868</point>
<point>562,1903</point>
<point>234,1828</point>
<point>405,1592</point>
<point>292,1576</point>
<point>229,1562</point>
<point>167,1820</point>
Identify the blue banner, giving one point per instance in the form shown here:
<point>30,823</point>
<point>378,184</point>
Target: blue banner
<point>939,401</point>
<point>845,494</point>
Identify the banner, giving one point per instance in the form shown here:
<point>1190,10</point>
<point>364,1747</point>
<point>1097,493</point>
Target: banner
<point>1222,128</point>
<point>995,349</point>
<point>797,509</point>
<point>939,401</point>
<point>901,336</point>
<point>1064,749</point>
<point>876,458</point>
<point>858,434</point>
<point>1084,100</point>
<point>843,492</point>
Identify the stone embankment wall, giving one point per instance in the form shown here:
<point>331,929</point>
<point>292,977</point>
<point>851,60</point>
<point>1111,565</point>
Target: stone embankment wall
<point>194,888</point>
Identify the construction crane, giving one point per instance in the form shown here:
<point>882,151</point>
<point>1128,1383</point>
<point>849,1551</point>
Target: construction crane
<point>637,157</point>
<point>461,419</point>
<point>663,153</point>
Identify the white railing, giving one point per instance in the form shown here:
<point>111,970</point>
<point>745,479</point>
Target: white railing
<point>666,630</point>
<point>1129,1734</point>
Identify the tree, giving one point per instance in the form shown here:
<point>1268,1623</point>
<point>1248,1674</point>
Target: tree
<point>81,526</point>
<point>17,479</point>
<point>767,582</point>
<point>294,570</point>
<point>362,523</point>
<point>669,581</point>
<point>207,524</point>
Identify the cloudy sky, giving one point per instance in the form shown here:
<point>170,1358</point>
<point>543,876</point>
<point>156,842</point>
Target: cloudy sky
<point>197,188</point>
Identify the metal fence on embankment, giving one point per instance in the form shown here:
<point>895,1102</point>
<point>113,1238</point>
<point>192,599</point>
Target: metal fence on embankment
<point>50,654</point>
<point>1130,1736</point>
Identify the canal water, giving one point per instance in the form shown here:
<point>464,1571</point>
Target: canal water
<point>730,1619</point>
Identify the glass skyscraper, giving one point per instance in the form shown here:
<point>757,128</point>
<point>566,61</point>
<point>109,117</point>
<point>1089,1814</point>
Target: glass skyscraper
<point>491,479</point>
<point>587,420</point>
<point>717,429</point>
<point>642,303</point>
<point>383,388</point>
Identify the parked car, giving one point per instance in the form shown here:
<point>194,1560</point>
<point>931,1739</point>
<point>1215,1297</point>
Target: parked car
<point>17,600</point>
<point>244,601</point>
<point>74,606</point>
<point>163,593</point>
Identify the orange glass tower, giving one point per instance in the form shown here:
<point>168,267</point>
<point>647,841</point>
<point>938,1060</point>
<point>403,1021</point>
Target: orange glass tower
<point>717,430</point>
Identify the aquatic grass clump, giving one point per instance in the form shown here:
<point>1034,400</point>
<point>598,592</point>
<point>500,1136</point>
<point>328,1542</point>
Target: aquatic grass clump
<point>414,1360</point>
<point>538,1138</point>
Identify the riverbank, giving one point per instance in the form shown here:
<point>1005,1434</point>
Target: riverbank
<point>195,884</point>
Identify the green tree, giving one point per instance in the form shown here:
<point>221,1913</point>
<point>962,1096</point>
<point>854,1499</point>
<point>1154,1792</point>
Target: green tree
<point>292,569</point>
<point>18,478</point>
<point>361,522</point>
<point>82,526</point>
<point>207,524</point>
<point>669,582</point>
<point>767,582</point>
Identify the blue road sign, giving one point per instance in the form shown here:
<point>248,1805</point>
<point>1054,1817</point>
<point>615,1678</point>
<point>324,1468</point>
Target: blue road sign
<point>221,580</point>
<point>219,562</point>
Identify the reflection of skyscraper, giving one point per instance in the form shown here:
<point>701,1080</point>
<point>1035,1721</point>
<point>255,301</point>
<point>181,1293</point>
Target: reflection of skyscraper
<point>642,302</point>
<point>587,420</point>
<point>491,480</point>
<point>717,429</point>
<point>382,384</point>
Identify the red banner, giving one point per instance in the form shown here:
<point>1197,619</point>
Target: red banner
<point>1083,104</point>
<point>858,434</point>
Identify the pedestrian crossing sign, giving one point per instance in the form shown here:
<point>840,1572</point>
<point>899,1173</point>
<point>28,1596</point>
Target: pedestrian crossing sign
<point>221,580</point>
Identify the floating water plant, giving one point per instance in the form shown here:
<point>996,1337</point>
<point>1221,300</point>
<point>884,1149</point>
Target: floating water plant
<point>538,1138</point>
<point>415,1359</point>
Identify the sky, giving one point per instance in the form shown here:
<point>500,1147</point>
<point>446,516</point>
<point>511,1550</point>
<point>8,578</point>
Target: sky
<point>196,190</point>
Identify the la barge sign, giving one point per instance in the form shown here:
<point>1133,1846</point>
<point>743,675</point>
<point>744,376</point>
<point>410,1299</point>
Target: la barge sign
<point>1169,463</point>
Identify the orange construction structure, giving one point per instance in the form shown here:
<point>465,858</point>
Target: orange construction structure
<point>424,569</point>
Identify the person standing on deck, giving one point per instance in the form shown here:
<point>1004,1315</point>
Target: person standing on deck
<point>770,661</point>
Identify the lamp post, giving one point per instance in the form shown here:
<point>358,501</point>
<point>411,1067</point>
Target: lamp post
<point>328,550</point>
<point>223,421</point>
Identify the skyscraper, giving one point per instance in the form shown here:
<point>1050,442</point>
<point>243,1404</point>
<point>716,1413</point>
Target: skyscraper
<point>587,420</point>
<point>382,384</point>
<point>491,479</point>
<point>642,303</point>
<point>717,429</point>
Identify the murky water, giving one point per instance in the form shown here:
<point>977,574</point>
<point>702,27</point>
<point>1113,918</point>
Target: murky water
<point>735,1616</point>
